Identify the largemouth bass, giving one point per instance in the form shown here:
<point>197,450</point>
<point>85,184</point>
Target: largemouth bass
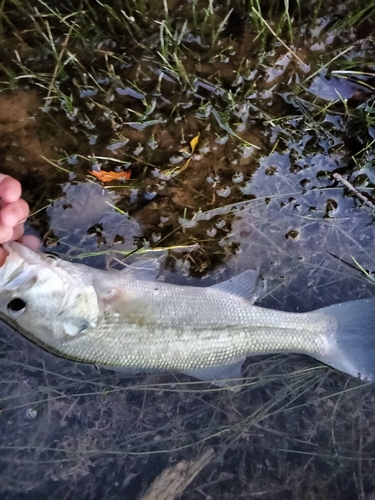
<point>119,319</point>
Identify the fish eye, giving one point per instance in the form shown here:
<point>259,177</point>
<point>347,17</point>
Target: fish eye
<point>51,256</point>
<point>16,307</point>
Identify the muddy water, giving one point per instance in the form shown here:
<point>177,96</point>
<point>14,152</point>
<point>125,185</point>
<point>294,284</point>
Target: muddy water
<point>256,192</point>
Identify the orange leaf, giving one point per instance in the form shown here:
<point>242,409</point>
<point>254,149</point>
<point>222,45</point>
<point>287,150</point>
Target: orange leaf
<point>110,176</point>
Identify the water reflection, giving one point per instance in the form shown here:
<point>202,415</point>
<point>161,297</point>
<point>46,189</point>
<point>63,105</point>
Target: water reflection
<point>85,222</point>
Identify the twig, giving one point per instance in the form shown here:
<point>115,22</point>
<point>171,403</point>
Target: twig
<point>173,480</point>
<point>354,190</point>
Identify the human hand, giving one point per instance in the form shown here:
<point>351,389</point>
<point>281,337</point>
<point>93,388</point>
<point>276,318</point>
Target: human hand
<point>13,213</point>
<point>13,209</point>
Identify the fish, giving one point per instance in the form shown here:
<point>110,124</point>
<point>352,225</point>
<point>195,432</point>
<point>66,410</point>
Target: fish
<point>131,321</point>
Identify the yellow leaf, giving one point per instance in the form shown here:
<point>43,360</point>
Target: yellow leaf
<point>194,142</point>
<point>178,170</point>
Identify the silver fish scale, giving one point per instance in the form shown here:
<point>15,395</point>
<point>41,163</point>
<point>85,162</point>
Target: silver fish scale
<point>157,345</point>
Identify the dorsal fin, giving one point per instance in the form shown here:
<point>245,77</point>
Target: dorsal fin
<point>247,285</point>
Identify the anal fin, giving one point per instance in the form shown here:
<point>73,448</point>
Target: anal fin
<point>219,375</point>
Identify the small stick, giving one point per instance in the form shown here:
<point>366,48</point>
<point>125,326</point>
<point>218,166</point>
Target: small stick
<point>355,191</point>
<point>174,479</point>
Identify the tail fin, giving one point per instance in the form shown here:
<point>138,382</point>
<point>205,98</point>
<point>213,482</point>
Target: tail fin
<point>354,349</point>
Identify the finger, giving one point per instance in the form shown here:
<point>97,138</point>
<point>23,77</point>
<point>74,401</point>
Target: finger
<point>6,233</point>
<point>31,241</point>
<point>3,255</point>
<point>10,189</point>
<point>18,232</point>
<point>14,213</point>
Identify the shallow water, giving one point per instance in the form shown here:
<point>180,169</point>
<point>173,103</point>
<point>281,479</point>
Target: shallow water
<point>258,192</point>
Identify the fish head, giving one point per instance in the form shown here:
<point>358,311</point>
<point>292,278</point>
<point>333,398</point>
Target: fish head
<point>49,300</point>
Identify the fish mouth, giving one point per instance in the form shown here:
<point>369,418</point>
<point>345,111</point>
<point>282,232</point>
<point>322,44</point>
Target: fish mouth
<point>19,265</point>
<point>27,254</point>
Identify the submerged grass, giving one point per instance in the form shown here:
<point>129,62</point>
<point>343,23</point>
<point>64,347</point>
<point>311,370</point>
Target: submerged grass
<point>281,96</point>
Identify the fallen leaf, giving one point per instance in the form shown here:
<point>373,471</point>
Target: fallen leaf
<point>110,176</point>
